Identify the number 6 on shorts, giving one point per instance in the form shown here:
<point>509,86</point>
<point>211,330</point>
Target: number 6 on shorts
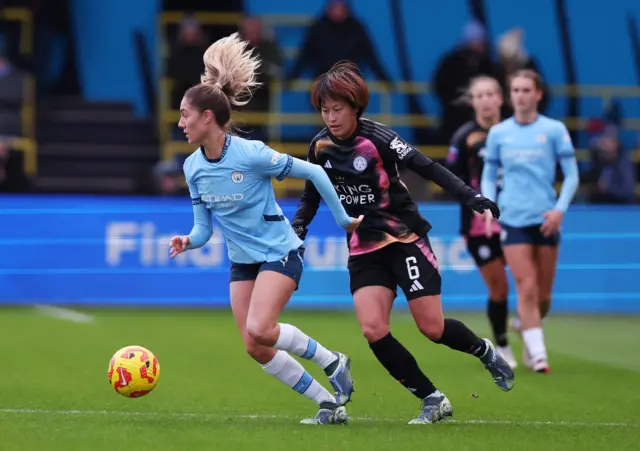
<point>412,268</point>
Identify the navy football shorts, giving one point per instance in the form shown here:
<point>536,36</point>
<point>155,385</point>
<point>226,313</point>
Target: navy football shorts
<point>290,266</point>
<point>527,235</point>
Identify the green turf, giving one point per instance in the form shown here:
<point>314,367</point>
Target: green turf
<point>209,388</point>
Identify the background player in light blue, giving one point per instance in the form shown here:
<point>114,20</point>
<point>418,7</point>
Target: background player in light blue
<point>528,147</point>
<point>230,178</point>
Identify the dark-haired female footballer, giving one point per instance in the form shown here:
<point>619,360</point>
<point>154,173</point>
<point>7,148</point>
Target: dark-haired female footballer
<point>482,232</point>
<point>391,246</point>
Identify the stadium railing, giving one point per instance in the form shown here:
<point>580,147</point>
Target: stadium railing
<point>25,143</point>
<point>275,118</point>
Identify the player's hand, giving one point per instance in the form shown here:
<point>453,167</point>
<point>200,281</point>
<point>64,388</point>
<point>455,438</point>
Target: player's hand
<point>488,223</point>
<point>552,221</point>
<point>487,217</point>
<point>300,231</point>
<point>178,245</point>
<point>481,204</point>
<point>355,223</point>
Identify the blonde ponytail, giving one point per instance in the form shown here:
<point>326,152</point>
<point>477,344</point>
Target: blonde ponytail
<point>232,68</point>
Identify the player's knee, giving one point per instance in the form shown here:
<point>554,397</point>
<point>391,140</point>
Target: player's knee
<point>498,289</point>
<point>375,331</point>
<point>432,328</point>
<point>261,332</point>
<point>528,289</point>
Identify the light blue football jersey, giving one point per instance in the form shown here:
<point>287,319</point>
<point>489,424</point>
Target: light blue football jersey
<point>528,154</point>
<point>236,189</point>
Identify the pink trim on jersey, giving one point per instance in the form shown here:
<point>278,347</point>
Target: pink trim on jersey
<point>357,249</point>
<point>366,148</point>
<point>354,241</point>
<point>477,226</point>
<point>394,224</point>
<point>427,252</point>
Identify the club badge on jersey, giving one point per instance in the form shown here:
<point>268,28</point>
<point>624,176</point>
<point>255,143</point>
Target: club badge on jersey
<point>360,163</point>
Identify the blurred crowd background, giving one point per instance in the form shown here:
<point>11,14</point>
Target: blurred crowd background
<point>89,89</point>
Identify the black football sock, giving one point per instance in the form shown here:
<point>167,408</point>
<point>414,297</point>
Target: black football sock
<point>498,311</point>
<point>402,366</point>
<point>459,337</point>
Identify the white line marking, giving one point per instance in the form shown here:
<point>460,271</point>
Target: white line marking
<point>286,417</point>
<point>63,313</point>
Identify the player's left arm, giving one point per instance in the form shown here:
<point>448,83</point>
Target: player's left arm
<point>404,153</point>
<point>566,155</point>
<point>270,163</point>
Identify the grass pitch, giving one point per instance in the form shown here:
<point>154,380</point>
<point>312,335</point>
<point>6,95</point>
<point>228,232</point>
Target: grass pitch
<point>54,393</point>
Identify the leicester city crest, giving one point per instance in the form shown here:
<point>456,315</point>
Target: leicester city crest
<point>359,163</point>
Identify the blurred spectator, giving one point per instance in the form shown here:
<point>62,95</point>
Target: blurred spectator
<point>337,35</point>
<point>168,179</point>
<point>213,32</point>
<point>184,65</point>
<point>614,174</point>
<point>453,74</point>
<point>52,60</point>
<point>12,176</point>
<point>512,57</point>
<point>266,47</point>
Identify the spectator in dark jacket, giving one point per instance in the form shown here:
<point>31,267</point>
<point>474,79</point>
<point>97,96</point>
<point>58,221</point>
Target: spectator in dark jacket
<point>266,47</point>
<point>614,171</point>
<point>453,74</point>
<point>336,36</point>
<point>184,64</point>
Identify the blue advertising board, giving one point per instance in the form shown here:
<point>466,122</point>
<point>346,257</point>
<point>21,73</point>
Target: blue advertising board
<point>89,250</point>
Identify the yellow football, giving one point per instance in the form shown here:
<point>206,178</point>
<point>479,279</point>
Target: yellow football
<point>134,371</point>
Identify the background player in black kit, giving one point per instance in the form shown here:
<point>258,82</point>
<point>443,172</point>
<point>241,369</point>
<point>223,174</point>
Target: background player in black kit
<point>391,246</point>
<point>481,232</point>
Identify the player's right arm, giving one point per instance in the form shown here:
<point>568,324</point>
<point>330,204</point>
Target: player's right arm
<point>309,202</point>
<point>270,163</point>
<point>202,222</point>
<point>489,179</point>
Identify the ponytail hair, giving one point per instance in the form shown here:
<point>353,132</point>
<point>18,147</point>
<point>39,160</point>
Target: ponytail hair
<point>228,80</point>
<point>229,66</point>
